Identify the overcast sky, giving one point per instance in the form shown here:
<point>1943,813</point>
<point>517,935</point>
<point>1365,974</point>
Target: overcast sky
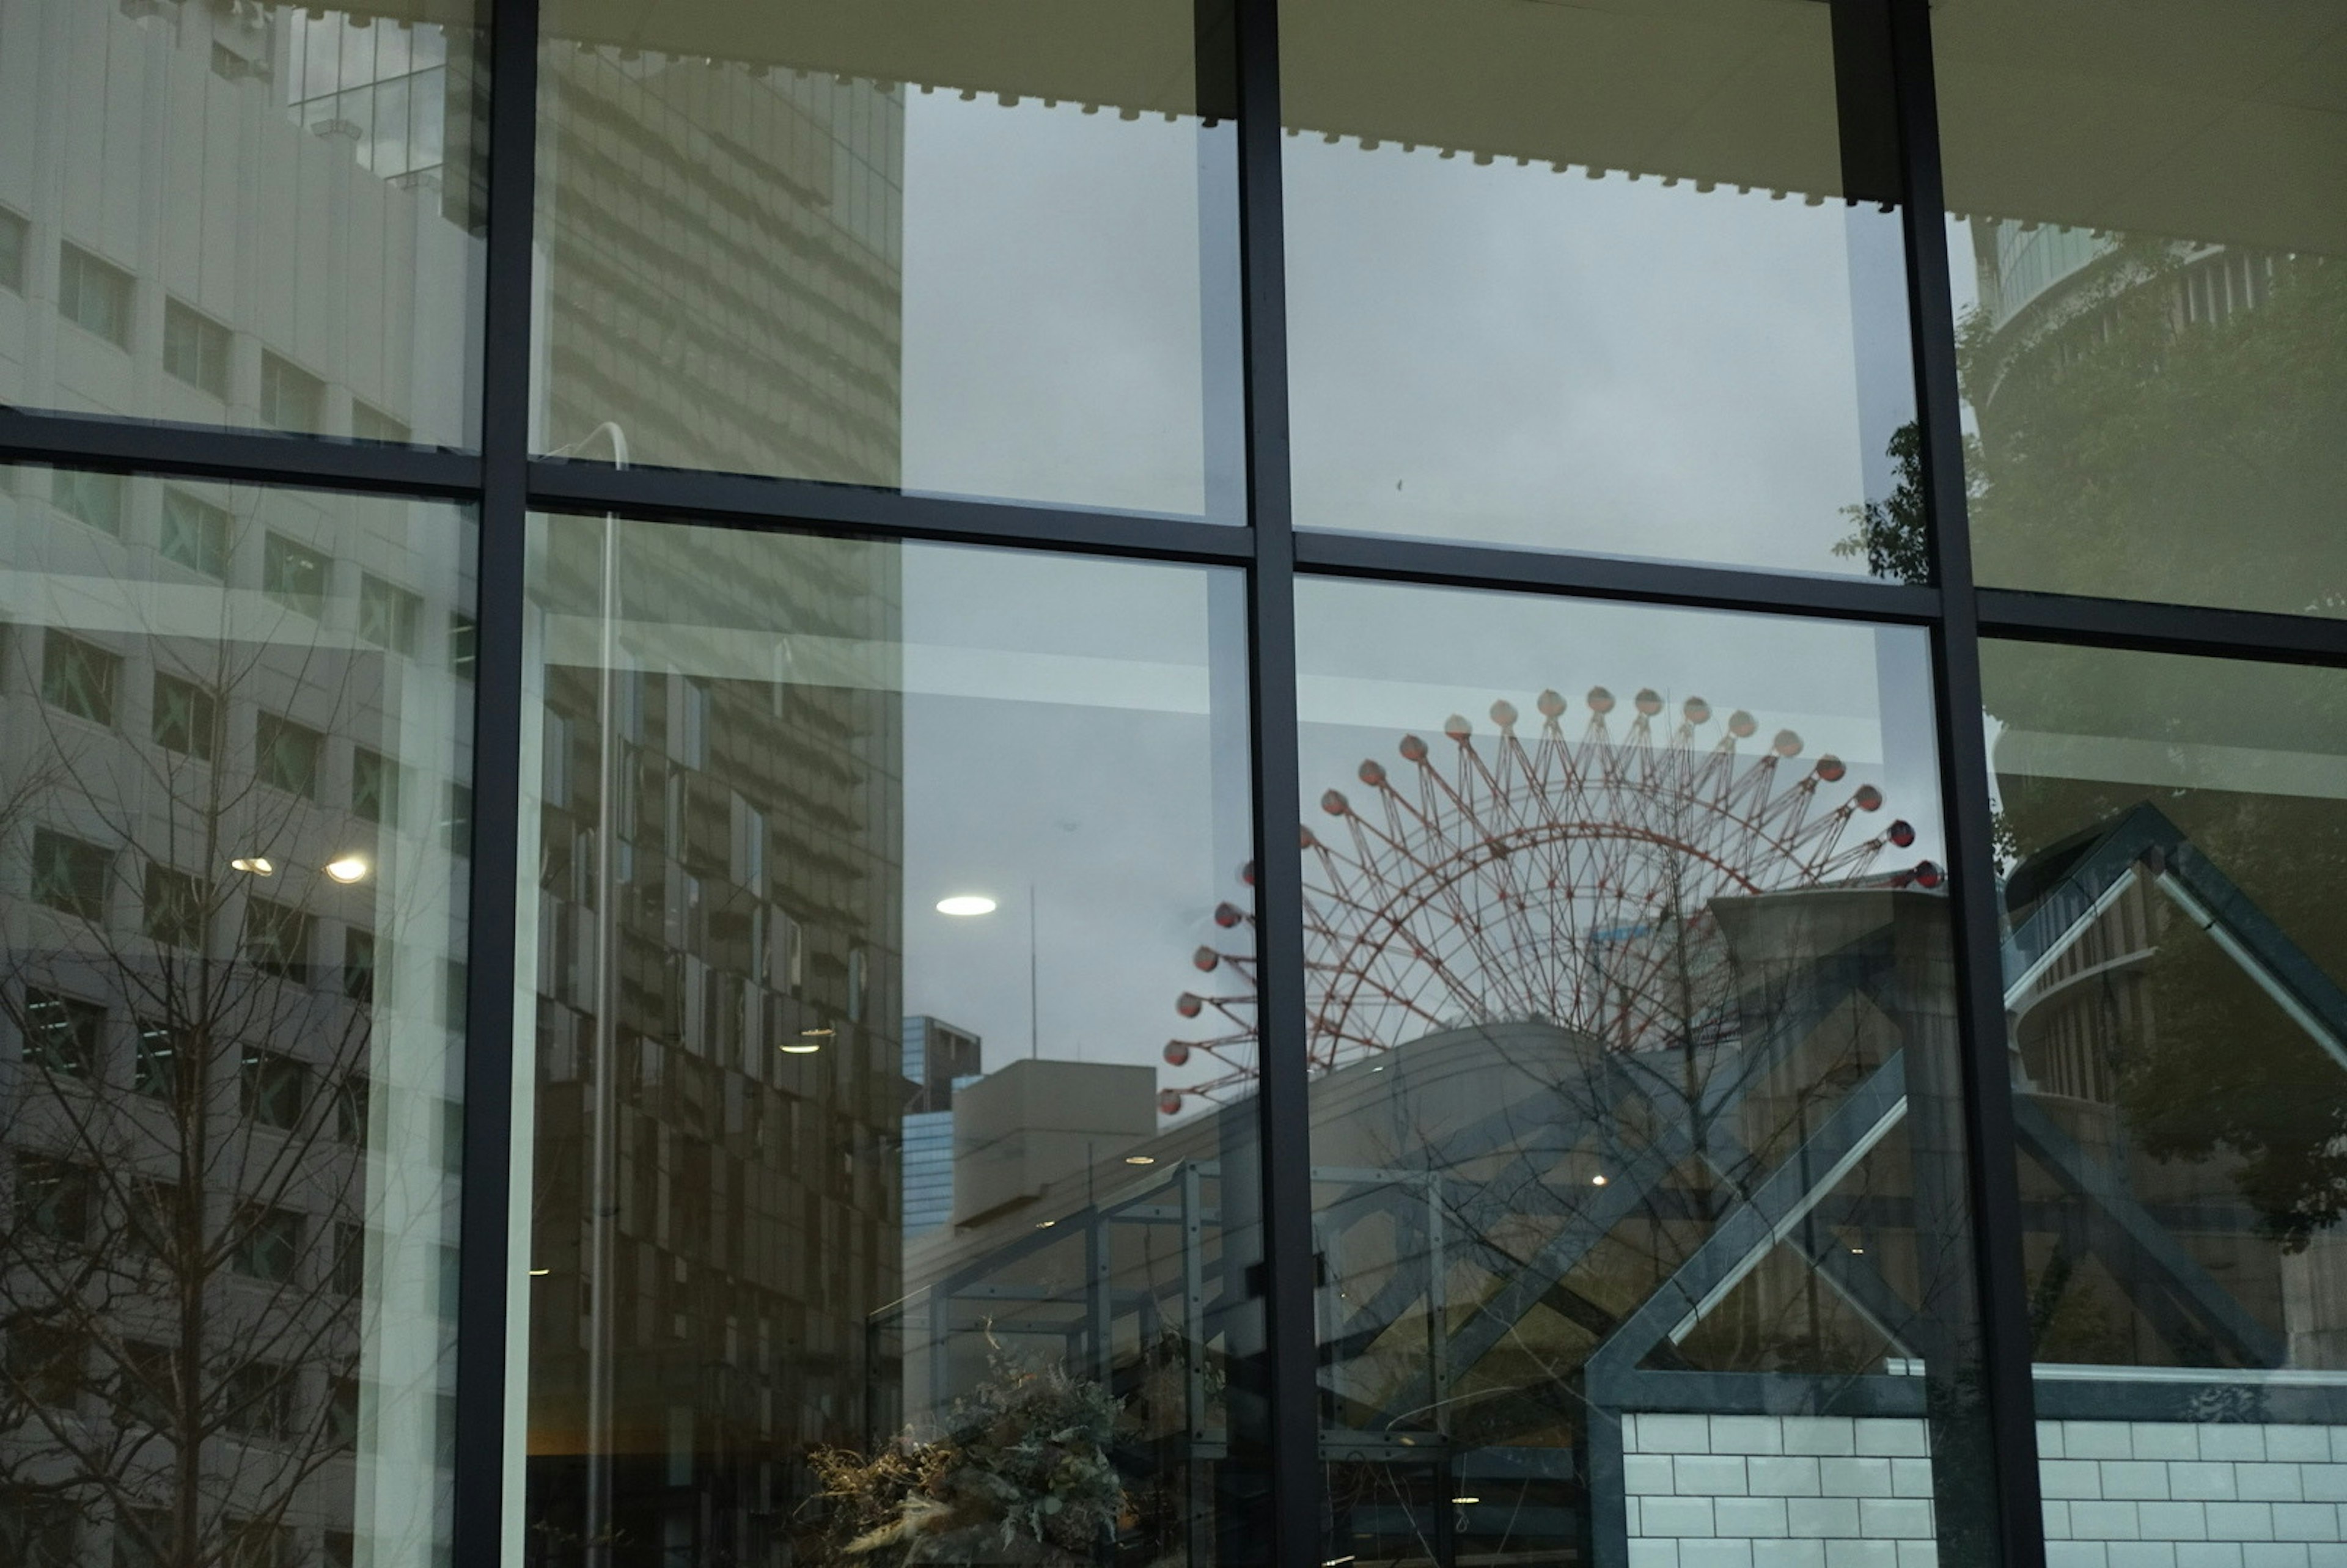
<point>1497,353</point>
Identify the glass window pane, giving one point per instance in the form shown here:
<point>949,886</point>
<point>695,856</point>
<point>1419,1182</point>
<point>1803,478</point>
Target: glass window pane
<point>194,225</point>
<point>868,877</point>
<point>196,533</point>
<point>2173,833</point>
<point>94,499</point>
<point>1636,1144</point>
<point>988,253</point>
<point>2148,218</point>
<point>174,1166</point>
<point>1615,278</point>
<point>15,233</point>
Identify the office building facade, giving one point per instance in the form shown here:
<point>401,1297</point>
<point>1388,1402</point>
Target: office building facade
<point>1622,720</point>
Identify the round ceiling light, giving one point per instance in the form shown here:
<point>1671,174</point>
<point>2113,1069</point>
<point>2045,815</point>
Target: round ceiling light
<point>965,903</point>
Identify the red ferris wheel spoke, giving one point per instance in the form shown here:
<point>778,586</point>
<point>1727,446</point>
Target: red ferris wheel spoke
<point>1490,876</point>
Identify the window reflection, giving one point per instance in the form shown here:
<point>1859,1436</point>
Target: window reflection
<point>242,215</point>
<point>224,1212</point>
<point>2172,832</point>
<point>867,875</point>
<point>1616,278</point>
<point>1635,1147</point>
<point>2153,321</point>
<point>873,245</point>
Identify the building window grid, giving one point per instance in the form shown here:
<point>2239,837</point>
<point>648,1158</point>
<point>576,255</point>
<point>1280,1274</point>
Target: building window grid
<point>389,615</point>
<point>291,397</point>
<point>196,533</point>
<point>14,234</point>
<point>195,349</point>
<point>94,295</point>
<point>91,496</point>
<point>294,576</point>
<point>79,677</point>
<point>1959,615</point>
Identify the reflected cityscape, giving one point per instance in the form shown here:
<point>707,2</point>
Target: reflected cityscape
<point>340,301</point>
<point>863,1210</point>
<point>236,800</point>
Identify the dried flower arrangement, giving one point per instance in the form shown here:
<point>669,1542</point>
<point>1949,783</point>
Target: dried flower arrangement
<point>1021,1474</point>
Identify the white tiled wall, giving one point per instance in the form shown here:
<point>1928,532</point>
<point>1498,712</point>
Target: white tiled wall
<point>2156,1494</point>
<point>1778,1491</point>
<point>1762,1492</point>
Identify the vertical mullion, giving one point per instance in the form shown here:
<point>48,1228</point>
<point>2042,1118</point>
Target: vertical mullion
<point>1283,1108</point>
<point>484,1243</point>
<point>1993,1159</point>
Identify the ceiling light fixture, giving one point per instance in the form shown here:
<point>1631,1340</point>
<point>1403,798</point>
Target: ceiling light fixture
<point>965,903</point>
<point>346,869</point>
<point>801,1047</point>
<point>259,865</point>
<point>1598,1180</point>
<point>539,1273</point>
<point>1140,1159</point>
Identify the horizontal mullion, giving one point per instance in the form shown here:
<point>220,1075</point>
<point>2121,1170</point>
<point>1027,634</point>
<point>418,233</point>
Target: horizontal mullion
<point>1608,577</point>
<point>741,500</point>
<point>241,457</point>
<point>2163,628</point>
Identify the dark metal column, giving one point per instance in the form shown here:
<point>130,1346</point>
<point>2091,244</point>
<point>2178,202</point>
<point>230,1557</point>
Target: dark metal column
<point>2005,1414</point>
<point>1289,1379</point>
<point>484,1244</point>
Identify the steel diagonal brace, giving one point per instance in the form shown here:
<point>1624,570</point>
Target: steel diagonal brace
<point>2145,844</point>
<point>2070,910</point>
<point>1565,1118</point>
<point>1531,1282</point>
<point>1640,1173</point>
<point>2085,1178</point>
<point>2279,966</point>
<point>1747,1234</point>
<point>1857,1282</point>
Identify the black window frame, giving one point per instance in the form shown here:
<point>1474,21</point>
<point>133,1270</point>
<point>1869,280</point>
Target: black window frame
<point>503,482</point>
